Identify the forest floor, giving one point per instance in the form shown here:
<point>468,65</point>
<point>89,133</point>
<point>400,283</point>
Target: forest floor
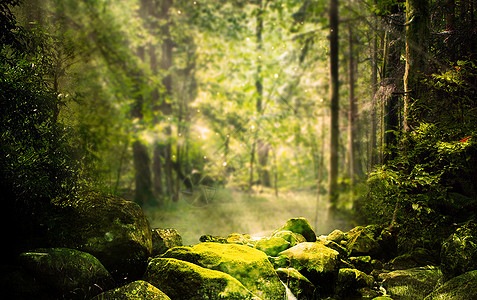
<point>233,211</point>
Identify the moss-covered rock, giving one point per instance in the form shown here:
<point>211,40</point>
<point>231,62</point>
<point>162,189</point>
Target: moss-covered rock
<point>207,238</point>
<point>363,241</point>
<point>298,284</point>
<point>301,226</point>
<point>362,263</point>
<point>165,239</point>
<point>459,252</point>
<point>238,238</point>
<point>137,290</point>
<point>291,237</point>
<point>462,287</point>
<point>66,273</point>
<point>415,283</point>
<point>248,265</point>
<point>112,229</point>
<point>272,246</point>
<point>336,236</point>
<point>350,281</point>
<point>184,280</point>
<point>315,261</point>
<point>418,257</point>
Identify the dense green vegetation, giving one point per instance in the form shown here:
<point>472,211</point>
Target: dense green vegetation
<point>164,102</point>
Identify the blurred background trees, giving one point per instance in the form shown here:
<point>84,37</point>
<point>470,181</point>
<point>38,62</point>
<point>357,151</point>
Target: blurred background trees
<point>149,99</point>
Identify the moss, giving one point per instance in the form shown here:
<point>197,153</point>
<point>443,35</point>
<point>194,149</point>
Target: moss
<point>291,237</point>
<point>298,284</point>
<point>301,226</point>
<point>315,261</point>
<point>170,276</point>
<point>272,246</point>
<point>415,283</point>
<point>462,287</point>
<point>135,290</point>
<point>248,265</point>
<point>67,271</point>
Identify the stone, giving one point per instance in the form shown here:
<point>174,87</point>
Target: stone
<point>66,273</point>
<point>315,261</point>
<point>291,237</point>
<point>336,236</point>
<point>237,238</point>
<point>301,226</point>
<point>418,257</point>
<point>135,290</point>
<point>165,239</point>
<point>272,246</point>
<point>248,265</point>
<point>459,252</point>
<point>298,284</point>
<point>462,287</point>
<point>350,281</point>
<point>363,241</point>
<point>362,263</point>
<point>112,229</point>
<point>182,280</point>
<point>207,238</point>
<point>415,283</point>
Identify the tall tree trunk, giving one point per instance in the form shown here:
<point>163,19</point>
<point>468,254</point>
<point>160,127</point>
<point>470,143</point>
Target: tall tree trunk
<point>166,107</point>
<point>392,82</point>
<point>259,147</point>
<point>143,194</point>
<point>334,99</point>
<point>352,113</point>
<point>372,153</point>
<point>417,36</point>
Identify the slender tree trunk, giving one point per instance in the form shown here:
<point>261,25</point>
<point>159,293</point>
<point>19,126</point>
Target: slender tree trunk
<point>392,82</point>
<point>263,147</point>
<point>372,156</point>
<point>352,112</point>
<point>334,99</point>
<point>417,36</point>
<point>143,194</point>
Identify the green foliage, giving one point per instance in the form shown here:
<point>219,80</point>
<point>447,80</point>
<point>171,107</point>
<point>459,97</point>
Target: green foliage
<point>35,165</point>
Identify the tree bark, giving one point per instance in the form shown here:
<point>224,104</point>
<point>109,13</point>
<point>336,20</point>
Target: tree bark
<point>334,104</point>
<point>417,36</point>
<point>352,112</point>
<point>391,83</point>
<point>143,194</point>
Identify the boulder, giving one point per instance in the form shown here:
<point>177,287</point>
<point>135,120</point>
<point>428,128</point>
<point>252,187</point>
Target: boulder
<point>291,237</point>
<point>350,281</point>
<point>315,261</point>
<point>272,246</point>
<point>112,229</point>
<point>462,287</point>
<point>183,280</point>
<point>66,273</point>
<point>165,239</point>
<point>459,252</point>
<point>418,257</point>
<point>237,238</point>
<point>207,238</point>
<point>336,236</point>
<point>363,241</point>
<point>362,263</point>
<point>248,265</point>
<point>135,290</point>
<point>415,283</point>
<point>298,284</point>
<point>301,226</point>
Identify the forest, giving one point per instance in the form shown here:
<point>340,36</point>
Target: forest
<point>125,125</point>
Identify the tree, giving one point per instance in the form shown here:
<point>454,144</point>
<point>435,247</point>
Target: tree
<point>417,45</point>
<point>334,104</point>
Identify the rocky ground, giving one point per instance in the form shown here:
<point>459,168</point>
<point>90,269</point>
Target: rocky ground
<point>103,248</point>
